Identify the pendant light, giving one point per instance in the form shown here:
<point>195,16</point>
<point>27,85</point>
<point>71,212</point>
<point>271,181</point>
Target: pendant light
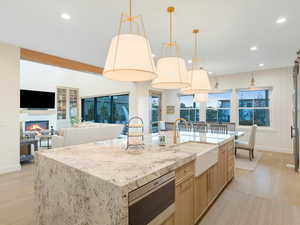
<point>198,76</point>
<point>216,87</point>
<point>252,86</point>
<point>203,97</point>
<point>171,69</point>
<point>130,57</point>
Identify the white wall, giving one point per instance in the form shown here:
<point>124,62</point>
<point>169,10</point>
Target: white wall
<point>9,112</point>
<point>277,137</point>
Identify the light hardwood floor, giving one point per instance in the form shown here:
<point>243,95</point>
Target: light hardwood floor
<point>268,196</point>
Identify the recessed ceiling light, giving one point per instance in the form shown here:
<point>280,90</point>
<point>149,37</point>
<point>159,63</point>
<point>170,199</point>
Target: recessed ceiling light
<point>190,61</point>
<point>209,72</point>
<point>65,16</point>
<point>281,20</point>
<point>261,65</point>
<point>253,48</point>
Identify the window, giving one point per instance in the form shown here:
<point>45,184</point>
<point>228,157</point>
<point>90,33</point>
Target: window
<point>106,109</point>
<point>189,110</point>
<point>218,107</point>
<point>88,109</point>
<point>254,107</point>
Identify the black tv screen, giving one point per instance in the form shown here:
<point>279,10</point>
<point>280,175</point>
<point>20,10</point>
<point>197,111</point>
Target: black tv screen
<point>37,99</point>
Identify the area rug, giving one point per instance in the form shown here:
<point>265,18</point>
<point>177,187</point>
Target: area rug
<point>242,160</point>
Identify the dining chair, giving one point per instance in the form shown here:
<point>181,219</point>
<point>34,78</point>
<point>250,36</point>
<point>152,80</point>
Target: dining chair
<point>218,128</point>
<point>247,145</point>
<point>230,127</point>
<point>182,126</point>
<point>200,127</point>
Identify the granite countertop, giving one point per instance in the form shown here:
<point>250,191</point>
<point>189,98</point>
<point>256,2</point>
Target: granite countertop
<point>128,170</point>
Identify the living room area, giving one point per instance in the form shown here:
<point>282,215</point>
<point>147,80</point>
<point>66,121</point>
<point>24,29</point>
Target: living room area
<point>55,101</point>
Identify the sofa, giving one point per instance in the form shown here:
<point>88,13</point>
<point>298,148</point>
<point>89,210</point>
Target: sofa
<point>86,133</point>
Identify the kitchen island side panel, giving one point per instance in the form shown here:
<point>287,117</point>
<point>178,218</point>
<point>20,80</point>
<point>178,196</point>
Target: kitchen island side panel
<point>68,196</point>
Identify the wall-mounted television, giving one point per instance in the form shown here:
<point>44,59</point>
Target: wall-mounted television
<point>37,99</point>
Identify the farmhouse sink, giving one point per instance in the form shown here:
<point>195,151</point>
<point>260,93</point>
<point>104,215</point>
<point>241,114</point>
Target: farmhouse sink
<point>207,154</point>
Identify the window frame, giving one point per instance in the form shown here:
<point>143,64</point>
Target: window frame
<point>270,89</point>
<point>111,96</point>
<point>194,108</point>
<point>220,108</point>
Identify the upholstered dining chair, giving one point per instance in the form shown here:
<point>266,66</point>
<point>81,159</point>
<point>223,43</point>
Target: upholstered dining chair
<point>250,145</point>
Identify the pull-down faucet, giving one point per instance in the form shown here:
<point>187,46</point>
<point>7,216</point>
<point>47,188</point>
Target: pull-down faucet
<point>176,134</point>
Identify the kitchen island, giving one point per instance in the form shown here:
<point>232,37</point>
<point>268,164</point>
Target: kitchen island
<point>91,184</point>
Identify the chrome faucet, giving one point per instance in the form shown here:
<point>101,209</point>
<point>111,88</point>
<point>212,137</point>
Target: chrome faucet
<point>176,134</point>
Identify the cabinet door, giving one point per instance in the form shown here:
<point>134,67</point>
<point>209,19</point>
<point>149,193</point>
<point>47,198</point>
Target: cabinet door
<point>223,166</point>
<point>212,182</point>
<point>185,202</point>
<point>169,221</point>
<point>230,161</point>
<point>200,195</point>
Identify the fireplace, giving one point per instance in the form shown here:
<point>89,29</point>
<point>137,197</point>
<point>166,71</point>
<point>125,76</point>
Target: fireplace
<point>37,126</point>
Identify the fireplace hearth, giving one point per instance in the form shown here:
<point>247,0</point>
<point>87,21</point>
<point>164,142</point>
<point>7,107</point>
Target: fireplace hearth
<point>37,126</point>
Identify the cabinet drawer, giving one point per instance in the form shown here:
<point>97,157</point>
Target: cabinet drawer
<point>185,171</point>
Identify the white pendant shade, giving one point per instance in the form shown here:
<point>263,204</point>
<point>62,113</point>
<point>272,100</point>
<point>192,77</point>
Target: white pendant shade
<point>172,74</point>
<point>201,97</point>
<point>199,82</point>
<point>130,59</point>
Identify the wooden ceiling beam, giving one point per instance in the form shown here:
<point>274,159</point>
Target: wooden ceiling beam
<point>44,58</point>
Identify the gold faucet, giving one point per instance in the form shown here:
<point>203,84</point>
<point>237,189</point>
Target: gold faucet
<point>176,134</point>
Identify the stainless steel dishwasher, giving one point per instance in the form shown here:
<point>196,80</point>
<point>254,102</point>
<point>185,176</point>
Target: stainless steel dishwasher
<point>154,202</point>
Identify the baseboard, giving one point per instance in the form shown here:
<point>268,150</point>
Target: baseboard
<point>273,149</point>
<point>10,168</point>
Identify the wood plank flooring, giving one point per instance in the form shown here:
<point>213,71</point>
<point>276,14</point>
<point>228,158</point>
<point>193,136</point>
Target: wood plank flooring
<point>268,196</point>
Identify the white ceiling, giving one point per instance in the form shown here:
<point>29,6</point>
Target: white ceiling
<point>229,29</point>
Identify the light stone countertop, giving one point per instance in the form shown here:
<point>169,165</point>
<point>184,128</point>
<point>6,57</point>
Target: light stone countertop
<point>128,170</point>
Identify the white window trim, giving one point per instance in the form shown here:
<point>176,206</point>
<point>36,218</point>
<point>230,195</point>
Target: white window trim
<point>266,128</point>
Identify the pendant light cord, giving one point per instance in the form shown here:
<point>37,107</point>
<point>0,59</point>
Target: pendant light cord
<point>195,58</point>
<point>130,15</point>
<point>196,44</point>
<point>170,11</point>
<point>171,28</point>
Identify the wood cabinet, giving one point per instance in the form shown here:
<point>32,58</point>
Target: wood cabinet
<point>222,166</point>
<point>200,201</point>
<point>184,196</point>
<point>170,220</point>
<point>212,182</point>
<point>194,195</point>
<point>230,161</point>
<point>185,202</point>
